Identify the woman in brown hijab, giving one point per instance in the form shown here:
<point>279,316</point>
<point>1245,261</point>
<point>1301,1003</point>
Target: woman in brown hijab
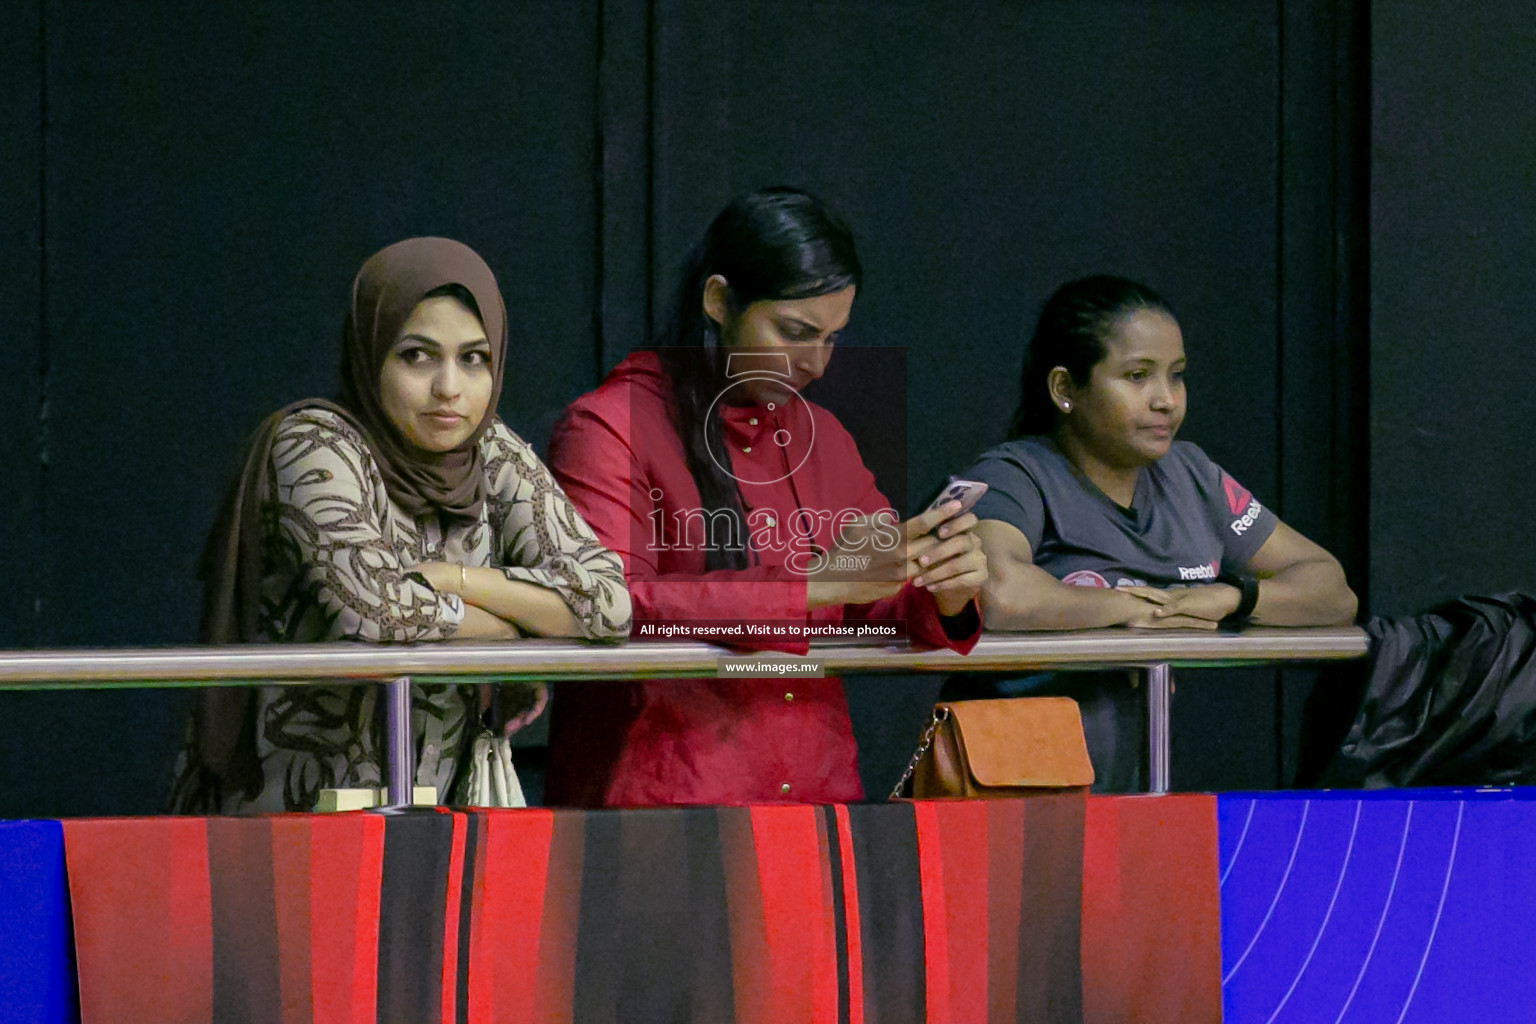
<point>403,511</point>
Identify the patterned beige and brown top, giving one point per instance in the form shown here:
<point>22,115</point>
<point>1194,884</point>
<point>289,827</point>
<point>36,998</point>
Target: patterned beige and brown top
<point>337,558</point>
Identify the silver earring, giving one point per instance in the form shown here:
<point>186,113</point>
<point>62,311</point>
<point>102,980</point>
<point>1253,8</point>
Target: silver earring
<point>1066,406</point>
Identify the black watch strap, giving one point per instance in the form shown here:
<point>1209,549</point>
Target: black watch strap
<point>1249,585</point>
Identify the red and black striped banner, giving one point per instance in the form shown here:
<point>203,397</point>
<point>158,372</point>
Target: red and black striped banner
<point>952,912</point>
<point>945,912</point>
<point>1151,910</point>
<point>229,919</point>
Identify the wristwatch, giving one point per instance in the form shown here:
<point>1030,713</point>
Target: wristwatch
<point>1249,585</point>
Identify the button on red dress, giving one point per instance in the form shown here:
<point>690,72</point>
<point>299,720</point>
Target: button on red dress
<point>717,741</point>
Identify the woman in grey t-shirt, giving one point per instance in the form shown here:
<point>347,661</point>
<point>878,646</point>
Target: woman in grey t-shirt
<point>1097,517</point>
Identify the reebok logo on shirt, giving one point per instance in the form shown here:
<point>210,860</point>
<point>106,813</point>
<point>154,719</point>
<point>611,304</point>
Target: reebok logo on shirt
<point>1198,572</point>
<point>1241,524</point>
<point>1238,496</point>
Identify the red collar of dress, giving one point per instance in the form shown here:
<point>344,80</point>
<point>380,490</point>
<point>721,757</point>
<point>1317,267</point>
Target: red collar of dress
<point>746,425</point>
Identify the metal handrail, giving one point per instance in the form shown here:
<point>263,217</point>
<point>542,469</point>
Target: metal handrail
<point>298,664</point>
<point>1152,653</point>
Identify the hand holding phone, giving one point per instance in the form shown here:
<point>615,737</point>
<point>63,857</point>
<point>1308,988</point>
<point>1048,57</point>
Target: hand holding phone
<point>967,492</point>
<point>949,558</point>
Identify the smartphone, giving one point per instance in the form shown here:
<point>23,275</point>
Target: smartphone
<point>967,492</point>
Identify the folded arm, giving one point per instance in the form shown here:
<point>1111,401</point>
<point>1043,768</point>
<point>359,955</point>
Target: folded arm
<point>328,510</point>
<point>1019,595</point>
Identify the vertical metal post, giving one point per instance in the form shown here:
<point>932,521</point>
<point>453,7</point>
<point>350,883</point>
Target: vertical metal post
<point>399,747</point>
<point>1159,726</point>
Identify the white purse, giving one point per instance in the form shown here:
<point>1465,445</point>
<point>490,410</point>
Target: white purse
<point>491,780</point>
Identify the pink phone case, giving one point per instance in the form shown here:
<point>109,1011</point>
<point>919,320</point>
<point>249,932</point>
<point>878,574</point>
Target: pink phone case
<point>968,492</point>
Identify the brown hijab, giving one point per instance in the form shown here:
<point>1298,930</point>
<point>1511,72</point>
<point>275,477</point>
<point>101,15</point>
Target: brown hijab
<point>385,292</point>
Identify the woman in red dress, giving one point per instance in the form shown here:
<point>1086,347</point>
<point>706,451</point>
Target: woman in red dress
<point>732,500</point>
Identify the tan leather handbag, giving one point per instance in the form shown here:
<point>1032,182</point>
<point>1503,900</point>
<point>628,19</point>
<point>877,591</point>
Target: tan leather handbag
<point>1019,746</point>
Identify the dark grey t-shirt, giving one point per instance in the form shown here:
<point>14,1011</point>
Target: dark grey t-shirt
<point>1188,522</point>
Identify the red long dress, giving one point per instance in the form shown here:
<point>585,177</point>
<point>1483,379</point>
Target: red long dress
<point>718,741</point>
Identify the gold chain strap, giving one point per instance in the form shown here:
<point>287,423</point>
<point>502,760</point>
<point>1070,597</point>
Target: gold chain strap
<point>940,716</point>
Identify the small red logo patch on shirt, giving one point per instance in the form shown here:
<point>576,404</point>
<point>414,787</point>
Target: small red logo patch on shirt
<point>1086,578</point>
<point>1237,495</point>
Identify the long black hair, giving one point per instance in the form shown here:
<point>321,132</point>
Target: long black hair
<point>772,244</point>
<point>1073,332</point>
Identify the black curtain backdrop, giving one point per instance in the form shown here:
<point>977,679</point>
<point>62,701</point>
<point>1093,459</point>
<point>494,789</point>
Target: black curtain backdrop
<point>21,300</point>
<point>188,190</point>
<point>1452,336</point>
